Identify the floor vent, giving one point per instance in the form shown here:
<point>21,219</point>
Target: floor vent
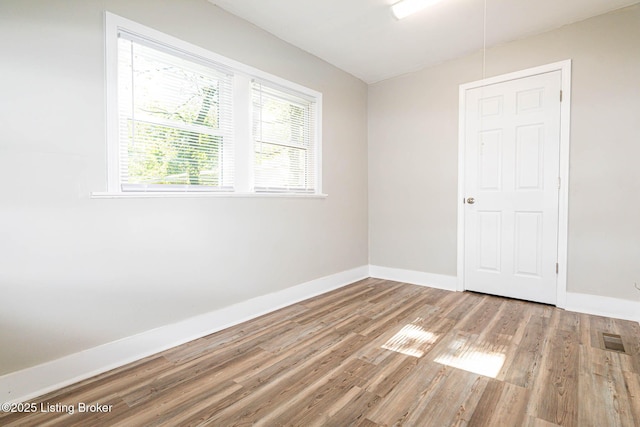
<point>612,342</point>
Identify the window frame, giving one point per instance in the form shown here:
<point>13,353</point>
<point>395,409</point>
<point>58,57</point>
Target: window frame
<point>243,76</point>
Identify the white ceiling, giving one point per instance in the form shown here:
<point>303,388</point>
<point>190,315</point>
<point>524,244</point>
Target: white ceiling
<point>363,38</point>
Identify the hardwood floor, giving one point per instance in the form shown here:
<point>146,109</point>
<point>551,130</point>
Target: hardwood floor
<point>377,353</point>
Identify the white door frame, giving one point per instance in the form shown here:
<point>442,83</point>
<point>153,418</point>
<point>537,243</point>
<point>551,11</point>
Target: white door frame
<point>563,203</point>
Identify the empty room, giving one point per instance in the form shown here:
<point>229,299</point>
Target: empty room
<point>320,213</point>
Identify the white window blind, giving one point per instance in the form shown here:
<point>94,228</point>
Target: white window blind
<point>284,140</point>
<point>175,119</point>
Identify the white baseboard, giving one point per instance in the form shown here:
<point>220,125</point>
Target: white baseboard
<point>603,306</point>
<point>579,303</point>
<point>431,280</point>
<point>37,380</point>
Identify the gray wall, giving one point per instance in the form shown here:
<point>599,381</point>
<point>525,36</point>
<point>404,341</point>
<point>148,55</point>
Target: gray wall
<point>77,272</point>
<point>413,141</point>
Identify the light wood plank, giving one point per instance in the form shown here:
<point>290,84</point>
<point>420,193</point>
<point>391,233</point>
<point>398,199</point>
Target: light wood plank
<point>555,394</point>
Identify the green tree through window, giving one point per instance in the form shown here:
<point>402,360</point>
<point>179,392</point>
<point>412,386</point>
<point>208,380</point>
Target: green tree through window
<point>171,107</point>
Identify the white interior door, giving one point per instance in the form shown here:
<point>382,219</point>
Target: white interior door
<point>511,170</point>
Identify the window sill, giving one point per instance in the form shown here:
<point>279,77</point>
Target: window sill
<point>202,195</point>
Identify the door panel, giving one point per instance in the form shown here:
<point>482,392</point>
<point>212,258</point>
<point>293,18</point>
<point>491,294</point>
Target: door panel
<point>490,163</point>
<point>528,244</point>
<point>512,149</point>
<point>529,157</point>
<point>489,241</point>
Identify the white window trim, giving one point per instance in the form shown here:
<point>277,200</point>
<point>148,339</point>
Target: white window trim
<point>243,74</point>
<point>203,195</point>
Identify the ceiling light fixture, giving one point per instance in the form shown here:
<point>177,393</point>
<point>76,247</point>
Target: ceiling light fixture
<point>404,8</point>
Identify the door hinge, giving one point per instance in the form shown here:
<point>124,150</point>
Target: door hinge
<point>560,96</point>
<point>557,268</point>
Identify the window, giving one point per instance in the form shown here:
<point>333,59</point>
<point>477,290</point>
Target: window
<point>283,137</point>
<point>183,119</point>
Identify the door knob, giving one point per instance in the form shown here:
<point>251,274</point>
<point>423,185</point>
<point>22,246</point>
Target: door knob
<point>471,200</point>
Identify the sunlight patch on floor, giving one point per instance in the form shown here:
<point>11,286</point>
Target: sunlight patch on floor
<point>411,340</point>
<point>472,358</point>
